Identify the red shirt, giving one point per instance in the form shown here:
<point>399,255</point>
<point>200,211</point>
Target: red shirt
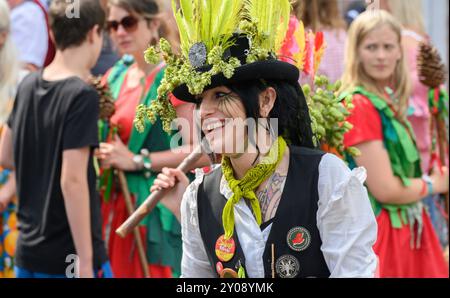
<point>366,122</point>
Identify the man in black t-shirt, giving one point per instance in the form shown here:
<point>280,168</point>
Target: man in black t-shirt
<point>51,134</point>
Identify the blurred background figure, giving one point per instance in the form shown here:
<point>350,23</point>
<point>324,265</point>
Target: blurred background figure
<point>63,217</point>
<point>377,76</point>
<point>133,25</point>
<point>169,28</point>
<point>435,16</point>
<point>10,76</point>
<point>410,14</point>
<point>353,10</point>
<point>30,32</point>
<point>109,55</point>
<point>324,16</point>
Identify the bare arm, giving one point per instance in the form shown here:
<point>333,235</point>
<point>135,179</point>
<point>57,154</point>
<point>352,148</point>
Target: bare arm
<point>386,187</point>
<point>74,186</point>
<point>6,149</point>
<point>7,191</point>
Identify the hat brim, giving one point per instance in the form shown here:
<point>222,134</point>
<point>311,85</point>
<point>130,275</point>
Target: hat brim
<point>268,69</point>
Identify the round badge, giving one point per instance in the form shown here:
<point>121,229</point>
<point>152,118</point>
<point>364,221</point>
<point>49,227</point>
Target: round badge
<point>228,273</point>
<point>197,55</point>
<point>225,248</point>
<point>298,238</point>
<point>287,266</point>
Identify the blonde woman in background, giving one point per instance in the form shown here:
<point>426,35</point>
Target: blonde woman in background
<point>10,75</point>
<point>409,14</point>
<point>377,77</point>
<point>324,16</point>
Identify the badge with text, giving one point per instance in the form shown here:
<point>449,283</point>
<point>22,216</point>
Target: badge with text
<point>225,248</point>
<point>287,266</point>
<point>298,238</point>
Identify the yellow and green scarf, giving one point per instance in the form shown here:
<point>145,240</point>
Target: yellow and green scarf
<point>245,187</point>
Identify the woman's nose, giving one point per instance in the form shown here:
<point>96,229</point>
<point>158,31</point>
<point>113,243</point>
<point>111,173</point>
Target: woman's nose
<point>205,113</point>
<point>207,108</point>
<point>381,54</point>
<point>121,31</point>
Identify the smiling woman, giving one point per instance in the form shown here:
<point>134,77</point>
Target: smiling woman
<point>275,206</point>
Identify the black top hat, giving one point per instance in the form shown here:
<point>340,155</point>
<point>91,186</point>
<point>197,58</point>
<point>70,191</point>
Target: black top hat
<point>270,69</point>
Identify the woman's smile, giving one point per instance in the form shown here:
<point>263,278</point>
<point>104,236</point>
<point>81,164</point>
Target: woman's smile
<point>212,125</point>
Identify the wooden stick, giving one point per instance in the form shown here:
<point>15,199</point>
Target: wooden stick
<point>442,142</point>
<point>443,151</point>
<point>137,235</point>
<point>273,260</point>
<point>147,206</point>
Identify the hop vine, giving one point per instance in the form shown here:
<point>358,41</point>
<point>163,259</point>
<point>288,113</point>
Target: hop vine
<point>328,115</point>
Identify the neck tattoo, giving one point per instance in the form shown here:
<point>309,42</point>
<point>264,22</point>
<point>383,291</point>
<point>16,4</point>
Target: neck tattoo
<point>269,198</point>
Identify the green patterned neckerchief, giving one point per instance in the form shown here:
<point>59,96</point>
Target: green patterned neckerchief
<point>245,188</point>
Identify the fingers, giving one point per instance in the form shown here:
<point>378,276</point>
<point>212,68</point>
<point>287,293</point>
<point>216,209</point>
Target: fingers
<point>154,188</point>
<point>179,175</point>
<point>104,146</point>
<point>168,178</point>
<point>162,182</point>
<point>105,150</point>
<point>441,171</point>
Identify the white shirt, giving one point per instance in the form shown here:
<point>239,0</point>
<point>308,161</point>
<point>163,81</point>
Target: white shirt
<point>345,220</point>
<point>29,32</point>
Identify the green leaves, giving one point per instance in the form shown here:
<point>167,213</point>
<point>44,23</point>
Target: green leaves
<point>151,55</point>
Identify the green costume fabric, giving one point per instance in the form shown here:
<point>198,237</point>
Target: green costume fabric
<point>398,139</point>
<point>164,246</point>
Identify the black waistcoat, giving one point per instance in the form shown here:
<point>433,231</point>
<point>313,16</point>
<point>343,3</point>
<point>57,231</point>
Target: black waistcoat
<point>297,209</point>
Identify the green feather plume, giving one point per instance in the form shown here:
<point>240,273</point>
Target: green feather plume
<point>271,18</point>
<point>209,21</point>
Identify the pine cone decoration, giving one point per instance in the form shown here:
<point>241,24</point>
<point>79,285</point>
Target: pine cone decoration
<point>429,64</point>
<point>107,107</point>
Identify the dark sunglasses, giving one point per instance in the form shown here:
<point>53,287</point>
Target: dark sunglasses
<point>129,23</point>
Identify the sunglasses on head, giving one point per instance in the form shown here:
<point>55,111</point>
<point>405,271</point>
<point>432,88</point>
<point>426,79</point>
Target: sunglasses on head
<point>129,23</point>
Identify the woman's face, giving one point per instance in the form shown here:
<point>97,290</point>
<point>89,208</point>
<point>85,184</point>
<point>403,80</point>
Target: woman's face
<point>223,121</point>
<point>379,54</point>
<point>134,33</point>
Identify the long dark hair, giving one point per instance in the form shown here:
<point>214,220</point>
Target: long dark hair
<point>290,108</point>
